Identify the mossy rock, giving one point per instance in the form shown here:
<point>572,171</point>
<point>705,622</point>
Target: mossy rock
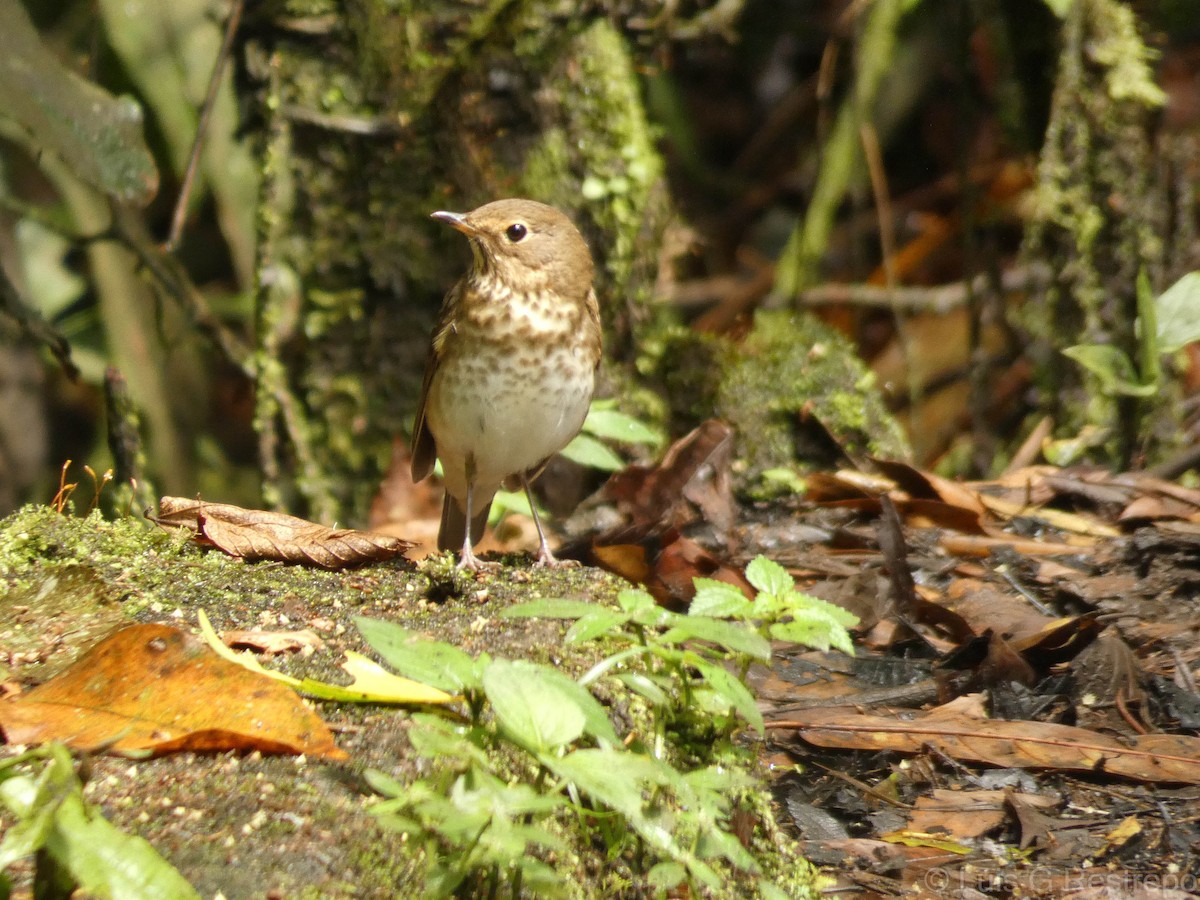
<point>792,369</point>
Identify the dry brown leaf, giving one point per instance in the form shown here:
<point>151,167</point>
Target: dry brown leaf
<point>929,486</point>
<point>272,643</point>
<point>1075,523</point>
<point>663,562</point>
<point>966,815</point>
<point>255,534</point>
<point>692,482</point>
<point>1025,744</point>
<point>977,545</point>
<point>155,688</point>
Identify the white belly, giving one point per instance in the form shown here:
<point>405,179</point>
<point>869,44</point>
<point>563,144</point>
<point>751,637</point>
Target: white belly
<point>521,419</point>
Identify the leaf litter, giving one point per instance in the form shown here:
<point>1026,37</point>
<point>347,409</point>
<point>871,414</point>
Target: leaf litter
<point>1027,646</point>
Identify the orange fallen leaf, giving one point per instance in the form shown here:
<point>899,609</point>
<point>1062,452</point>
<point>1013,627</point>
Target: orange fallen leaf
<point>156,689</point>
<point>256,534</point>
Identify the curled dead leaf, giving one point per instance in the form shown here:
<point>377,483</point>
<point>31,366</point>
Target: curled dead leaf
<point>255,534</point>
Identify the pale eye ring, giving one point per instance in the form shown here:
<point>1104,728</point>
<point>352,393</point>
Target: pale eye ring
<point>516,232</point>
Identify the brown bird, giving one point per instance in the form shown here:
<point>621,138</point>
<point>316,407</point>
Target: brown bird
<point>512,366</point>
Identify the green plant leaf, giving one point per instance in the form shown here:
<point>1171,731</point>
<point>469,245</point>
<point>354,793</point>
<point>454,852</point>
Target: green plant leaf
<point>596,720</point>
<point>719,600</point>
<point>435,737</point>
<point>533,706</point>
<point>383,784</point>
<point>549,608</point>
<point>1178,310</point>
<point>594,624</point>
<point>620,780</point>
<point>769,576</point>
<point>666,875</point>
<point>635,601</point>
<point>814,630</point>
<point>587,451</point>
<point>730,635</point>
<point>435,663</point>
<point>731,688</point>
<point>1112,368</point>
<point>611,424</point>
<point>1149,352</point>
<point>505,502</point>
<point>715,842</point>
<point>29,833</point>
<point>643,684</point>
<point>89,850</point>
<point>799,604</point>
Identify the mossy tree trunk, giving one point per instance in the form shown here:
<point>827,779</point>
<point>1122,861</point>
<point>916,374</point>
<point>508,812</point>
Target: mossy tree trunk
<point>1107,205</point>
<point>372,116</point>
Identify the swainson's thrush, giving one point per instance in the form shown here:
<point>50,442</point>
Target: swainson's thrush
<point>512,366</point>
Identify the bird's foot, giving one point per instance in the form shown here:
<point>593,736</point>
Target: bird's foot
<point>547,559</point>
<point>468,560</point>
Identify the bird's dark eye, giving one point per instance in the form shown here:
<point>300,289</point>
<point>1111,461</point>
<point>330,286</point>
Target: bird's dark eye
<point>516,231</point>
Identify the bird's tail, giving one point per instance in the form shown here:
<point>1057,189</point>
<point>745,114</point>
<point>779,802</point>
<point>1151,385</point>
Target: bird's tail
<point>453,529</point>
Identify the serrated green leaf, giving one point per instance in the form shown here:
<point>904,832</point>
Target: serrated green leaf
<point>30,831</point>
<point>729,635</point>
<point>105,862</point>
<point>620,780</point>
<point>768,576</point>
<point>532,706</point>
<point>596,720</point>
<point>383,784</point>
<point>1178,310</point>
<point>98,858</point>
<point>587,451</point>
<point>614,425</point>
<point>715,842</point>
<point>814,630</point>
<point>719,600</point>
<point>430,662</point>
<point>635,600</point>
<point>798,604</point>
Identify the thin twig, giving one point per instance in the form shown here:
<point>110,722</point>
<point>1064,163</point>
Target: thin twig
<point>30,322</point>
<point>939,299</point>
<point>210,101</point>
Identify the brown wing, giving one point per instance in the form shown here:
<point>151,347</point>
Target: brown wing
<point>424,449</point>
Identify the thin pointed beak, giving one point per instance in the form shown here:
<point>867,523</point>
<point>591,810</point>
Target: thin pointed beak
<point>455,220</point>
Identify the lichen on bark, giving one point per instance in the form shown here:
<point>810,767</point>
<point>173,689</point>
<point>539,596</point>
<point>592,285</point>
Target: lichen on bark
<point>372,120</point>
<point>1099,213</point>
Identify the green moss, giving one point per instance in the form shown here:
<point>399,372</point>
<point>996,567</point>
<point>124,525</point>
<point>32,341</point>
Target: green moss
<point>687,365</point>
<point>1099,213</point>
<point>277,818</point>
<point>620,165</point>
<point>791,368</point>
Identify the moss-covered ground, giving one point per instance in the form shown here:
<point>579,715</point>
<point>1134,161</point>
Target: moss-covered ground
<point>249,826</point>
